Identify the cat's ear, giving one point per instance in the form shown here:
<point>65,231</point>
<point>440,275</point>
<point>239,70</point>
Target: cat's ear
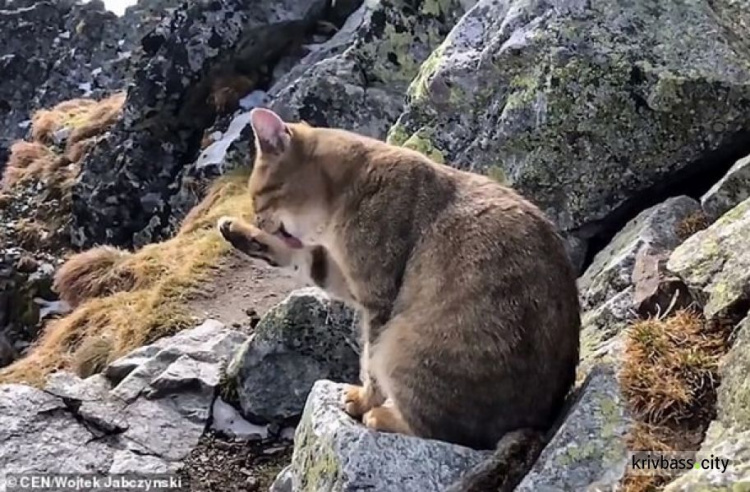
<point>271,133</point>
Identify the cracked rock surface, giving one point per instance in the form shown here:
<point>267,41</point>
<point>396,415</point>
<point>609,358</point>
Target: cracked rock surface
<point>145,413</point>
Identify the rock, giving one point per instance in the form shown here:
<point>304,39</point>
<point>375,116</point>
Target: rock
<point>726,444</point>
<point>39,433</point>
<point>127,180</point>
<point>334,452</point>
<point>53,51</point>
<point>715,265</point>
<point>601,329</point>
<point>146,414</point>
<point>730,191</point>
<point>728,435</point>
<point>589,449</point>
<point>283,481</point>
<point>557,98</point>
<point>358,79</point>
<point>655,291</point>
<point>612,268</point>
<point>306,337</point>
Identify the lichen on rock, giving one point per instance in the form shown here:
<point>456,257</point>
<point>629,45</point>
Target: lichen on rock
<point>564,97</point>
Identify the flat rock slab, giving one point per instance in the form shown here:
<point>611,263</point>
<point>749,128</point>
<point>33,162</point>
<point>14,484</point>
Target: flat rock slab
<point>334,452</point>
<point>715,264</point>
<point>144,414</point>
<point>656,228</point>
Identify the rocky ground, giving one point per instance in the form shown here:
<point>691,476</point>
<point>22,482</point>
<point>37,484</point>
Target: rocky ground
<point>627,122</point>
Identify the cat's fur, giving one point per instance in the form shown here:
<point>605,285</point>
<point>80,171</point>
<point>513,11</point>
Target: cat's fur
<point>471,313</point>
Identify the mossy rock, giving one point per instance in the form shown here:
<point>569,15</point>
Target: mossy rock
<point>562,98</point>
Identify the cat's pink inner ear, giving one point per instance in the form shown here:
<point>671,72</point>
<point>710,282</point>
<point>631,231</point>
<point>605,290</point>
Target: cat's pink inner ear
<point>271,136</point>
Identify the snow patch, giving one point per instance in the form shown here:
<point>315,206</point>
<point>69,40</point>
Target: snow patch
<point>229,422</point>
<point>214,154</point>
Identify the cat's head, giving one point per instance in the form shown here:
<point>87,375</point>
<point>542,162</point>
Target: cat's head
<point>289,188</point>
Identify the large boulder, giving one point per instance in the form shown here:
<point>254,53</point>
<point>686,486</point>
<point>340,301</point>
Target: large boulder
<point>358,79</point>
<point>122,196</point>
<point>715,264</point>
<point>144,414</point>
<point>587,108</point>
<point>334,452</point>
<point>306,337</point>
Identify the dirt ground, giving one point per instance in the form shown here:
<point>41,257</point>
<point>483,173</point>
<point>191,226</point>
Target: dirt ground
<point>243,289</point>
<point>218,464</point>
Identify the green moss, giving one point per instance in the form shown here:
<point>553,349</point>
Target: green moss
<point>422,143</point>
<point>418,89</point>
<point>397,135</point>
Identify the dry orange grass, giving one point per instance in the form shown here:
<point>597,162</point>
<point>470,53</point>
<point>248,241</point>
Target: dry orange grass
<point>670,376</point>
<point>27,159</point>
<point>83,117</point>
<point>691,224</point>
<point>125,300</point>
<point>671,366</point>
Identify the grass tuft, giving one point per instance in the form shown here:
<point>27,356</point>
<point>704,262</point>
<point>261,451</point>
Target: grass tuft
<point>691,224</point>
<point>671,366</point>
<point>669,377</point>
<point>126,300</point>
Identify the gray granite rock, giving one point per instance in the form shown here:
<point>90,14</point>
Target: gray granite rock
<point>146,413</point>
<point>587,108</point>
<point>657,227</point>
<point>730,191</point>
<point>715,264</point>
<point>333,452</point>
<point>123,194</point>
<point>358,79</point>
<point>589,448</point>
<point>306,337</point>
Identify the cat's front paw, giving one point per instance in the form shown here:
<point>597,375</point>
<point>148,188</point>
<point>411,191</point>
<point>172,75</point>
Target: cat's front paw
<point>246,238</point>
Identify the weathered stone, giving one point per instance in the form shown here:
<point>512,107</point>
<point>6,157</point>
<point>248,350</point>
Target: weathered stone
<point>734,391</point>
<point>587,108</point>
<point>715,264</point>
<point>358,79</point>
<point>334,452</point>
<point>730,191</point>
<point>655,291</point>
<point>307,337</point>
<point>39,433</point>
<point>284,481</point>
<point>123,193</point>
<point>52,51</point>
<point>601,329</point>
<point>146,416</point>
<point>589,449</point>
<point>612,268</point>
<point>7,352</point>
